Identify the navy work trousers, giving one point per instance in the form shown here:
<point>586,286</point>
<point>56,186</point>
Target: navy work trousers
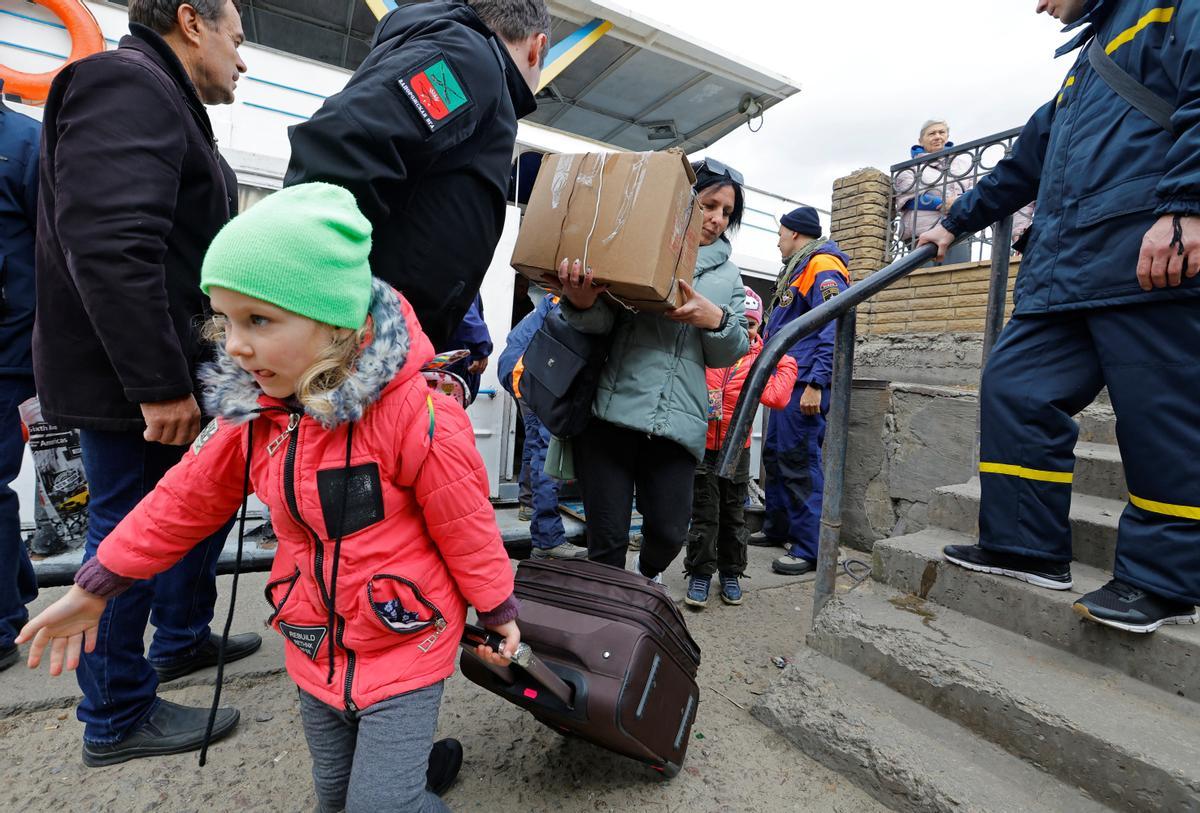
<point>1046,368</point>
<point>118,683</point>
<point>795,477</point>
<point>18,586</point>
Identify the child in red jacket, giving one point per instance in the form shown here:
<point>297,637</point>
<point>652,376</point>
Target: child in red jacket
<point>717,538</point>
<point>377,494</point>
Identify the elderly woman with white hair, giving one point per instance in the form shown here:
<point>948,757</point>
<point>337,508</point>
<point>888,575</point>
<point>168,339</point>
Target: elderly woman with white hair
<point>924,193</point>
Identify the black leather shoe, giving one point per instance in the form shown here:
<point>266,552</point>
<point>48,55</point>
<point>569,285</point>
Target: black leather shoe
<point>170,729</point>
<point>8,656</point>
<point>445,760</point>
<point>238,647</point>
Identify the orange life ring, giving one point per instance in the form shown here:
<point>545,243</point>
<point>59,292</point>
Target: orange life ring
<point>86,39</point>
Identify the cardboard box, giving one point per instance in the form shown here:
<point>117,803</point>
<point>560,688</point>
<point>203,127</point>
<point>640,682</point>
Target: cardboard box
<point>633,216</point>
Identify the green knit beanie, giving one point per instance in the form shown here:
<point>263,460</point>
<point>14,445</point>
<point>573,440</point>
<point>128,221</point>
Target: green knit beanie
<point>303,249</point>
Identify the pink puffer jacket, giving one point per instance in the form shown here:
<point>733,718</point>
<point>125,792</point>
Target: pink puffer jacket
<point>419,543</point>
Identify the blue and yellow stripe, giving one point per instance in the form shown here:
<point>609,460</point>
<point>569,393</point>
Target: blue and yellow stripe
<point>380,7</point>
<point>568,50</point>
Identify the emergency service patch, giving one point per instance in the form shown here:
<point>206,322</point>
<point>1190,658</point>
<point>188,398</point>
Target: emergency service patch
<point>786,297</point>
<point>307,639</point>
<point>205,435</point>
<point>435,92</point>
<point>828,289</point>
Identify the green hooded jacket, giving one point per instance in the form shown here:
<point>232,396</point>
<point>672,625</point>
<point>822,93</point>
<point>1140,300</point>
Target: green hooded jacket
<point>653,381</point>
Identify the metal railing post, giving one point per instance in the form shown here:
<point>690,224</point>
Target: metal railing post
<point>997,299</point>
<point>836,442</point>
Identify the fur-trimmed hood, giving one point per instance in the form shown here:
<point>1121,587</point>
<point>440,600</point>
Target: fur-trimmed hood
<point>398,349</point>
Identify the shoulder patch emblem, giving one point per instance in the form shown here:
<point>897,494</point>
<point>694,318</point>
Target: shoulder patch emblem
<point>205,436</point>
<point>786,297</point>
<point>435,91</point>
<point>307,639</point>
<point>828,289</point>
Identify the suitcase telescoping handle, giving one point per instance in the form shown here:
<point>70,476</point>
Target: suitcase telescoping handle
<point>531,664</point>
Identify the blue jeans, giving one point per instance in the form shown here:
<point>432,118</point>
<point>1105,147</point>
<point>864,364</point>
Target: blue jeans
<point>795,475</point>
<point>18,586</point>
<point>119,685</point>
<point>546,527</point>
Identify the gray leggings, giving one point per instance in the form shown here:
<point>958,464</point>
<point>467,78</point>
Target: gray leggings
<point>374,760</point>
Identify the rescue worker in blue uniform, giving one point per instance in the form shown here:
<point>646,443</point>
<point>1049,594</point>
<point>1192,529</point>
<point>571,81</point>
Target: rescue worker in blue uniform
<point>814,272</point>
<point>1107,295</point>
<point>423,135</point>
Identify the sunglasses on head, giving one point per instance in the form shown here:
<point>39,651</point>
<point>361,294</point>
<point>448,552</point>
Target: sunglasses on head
<point>715,168</point>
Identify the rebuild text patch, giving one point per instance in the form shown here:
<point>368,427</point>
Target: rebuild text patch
<point>307,639</point>
<point>435,91</point>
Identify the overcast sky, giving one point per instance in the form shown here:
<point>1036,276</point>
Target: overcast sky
<point>870,72</point>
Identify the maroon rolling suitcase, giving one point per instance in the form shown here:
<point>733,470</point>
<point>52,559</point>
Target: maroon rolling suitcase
<point>615,664</point>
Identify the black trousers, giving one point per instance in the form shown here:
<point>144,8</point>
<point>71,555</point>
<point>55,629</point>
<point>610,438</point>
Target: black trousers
<point>610,462</point>
<point>717,539</point>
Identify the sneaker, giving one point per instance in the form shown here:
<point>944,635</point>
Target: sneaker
<point>525,513</point>
<point>637,568</point>
<point>563,550</point>
<point>44,543</point>
<point>1121,605</point>
<point>1040,572</point>
<point>635,541</point>
<point>445,760</point>
<point>731,589</point>
<point>790,565</point>
<point>236,648</point>
<point>760,540</point>
<point>697,592</point>
<point>170,729</point>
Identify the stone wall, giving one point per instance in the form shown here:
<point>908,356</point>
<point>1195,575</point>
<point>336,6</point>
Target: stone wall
<point>905,440</point>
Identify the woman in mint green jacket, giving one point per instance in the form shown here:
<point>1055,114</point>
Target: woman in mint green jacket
<point>650,415</point>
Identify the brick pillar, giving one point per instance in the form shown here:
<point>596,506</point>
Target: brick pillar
<point>860,219</point>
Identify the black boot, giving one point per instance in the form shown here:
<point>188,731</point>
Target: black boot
<point>445,760</point>
<point>236,648</point>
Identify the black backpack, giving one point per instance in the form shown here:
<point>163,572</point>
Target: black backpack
<point>562,372</point>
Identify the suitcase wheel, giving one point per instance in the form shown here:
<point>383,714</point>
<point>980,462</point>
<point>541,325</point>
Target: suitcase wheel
<point>669,770</point>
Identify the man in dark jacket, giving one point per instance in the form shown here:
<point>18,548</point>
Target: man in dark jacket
<point>18,216</point>
<point>423,136</point>
<point>132,192</point>
<point>814,272</point>
<point>1108,295</point>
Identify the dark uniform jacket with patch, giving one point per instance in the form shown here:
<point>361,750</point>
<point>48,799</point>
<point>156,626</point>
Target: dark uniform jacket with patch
<point>132,192</point>
<point>1102,171</point>
<point>423,135</point>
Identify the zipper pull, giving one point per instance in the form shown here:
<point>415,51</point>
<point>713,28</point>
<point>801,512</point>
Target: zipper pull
<point>438,626</point>
<point>293,422</point>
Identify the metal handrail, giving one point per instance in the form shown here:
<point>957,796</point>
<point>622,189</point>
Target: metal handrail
<point>840,307</point>
<point>809,323</point>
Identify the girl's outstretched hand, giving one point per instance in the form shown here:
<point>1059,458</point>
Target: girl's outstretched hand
<point>512,639</point>
<point>66,625</point>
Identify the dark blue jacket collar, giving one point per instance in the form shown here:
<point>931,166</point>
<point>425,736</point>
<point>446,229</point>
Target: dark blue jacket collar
<point>1093,16</point>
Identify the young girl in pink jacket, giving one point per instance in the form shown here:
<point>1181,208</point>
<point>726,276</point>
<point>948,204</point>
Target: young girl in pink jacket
<point>378,497</point>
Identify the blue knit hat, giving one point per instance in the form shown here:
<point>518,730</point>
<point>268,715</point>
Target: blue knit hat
<point>803,220</point>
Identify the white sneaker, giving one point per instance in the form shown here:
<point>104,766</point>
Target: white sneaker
<point>637,568</point>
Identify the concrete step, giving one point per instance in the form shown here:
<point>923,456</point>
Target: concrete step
<point>1099,472</point>
<point>900,752</point>
<point>914,564</point>
<point>1127,744</point>
<point>1093,520</point>
<point>1097,423</point>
